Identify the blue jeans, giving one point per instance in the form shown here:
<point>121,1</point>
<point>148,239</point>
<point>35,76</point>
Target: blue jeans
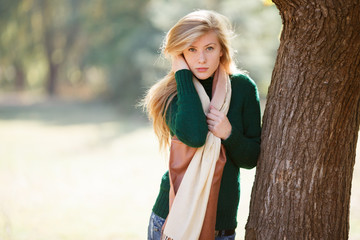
<point>155,226</point>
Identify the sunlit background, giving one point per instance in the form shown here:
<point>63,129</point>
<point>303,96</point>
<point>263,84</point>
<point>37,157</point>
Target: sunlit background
<point>78,160</point>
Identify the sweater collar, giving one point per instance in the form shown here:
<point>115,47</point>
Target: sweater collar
<point>207,81</point>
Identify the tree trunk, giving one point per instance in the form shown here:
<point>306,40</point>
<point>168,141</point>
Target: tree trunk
<point>310,125</point>
<point>19,76</point>
<point>50,34</point>
<point>48,42</point>
<point>52,78</point>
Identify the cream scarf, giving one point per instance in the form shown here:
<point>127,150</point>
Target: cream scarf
<point>187,212</point>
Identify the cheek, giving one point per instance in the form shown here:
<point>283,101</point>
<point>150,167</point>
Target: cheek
<point>216,59</point>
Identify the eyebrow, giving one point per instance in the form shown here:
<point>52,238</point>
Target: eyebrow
<point>205,45</point>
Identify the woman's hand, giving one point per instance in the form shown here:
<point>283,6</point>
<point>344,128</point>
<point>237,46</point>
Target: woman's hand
<point>218,123</point>
<point>178,63</point>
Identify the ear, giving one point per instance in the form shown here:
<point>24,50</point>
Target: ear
<point>221,53</point>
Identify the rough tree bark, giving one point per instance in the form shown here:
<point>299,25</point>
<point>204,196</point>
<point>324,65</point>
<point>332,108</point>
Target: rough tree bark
<point>310,125</point>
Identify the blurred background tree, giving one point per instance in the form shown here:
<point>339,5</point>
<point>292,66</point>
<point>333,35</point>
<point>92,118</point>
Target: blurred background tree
<point>110,49</point>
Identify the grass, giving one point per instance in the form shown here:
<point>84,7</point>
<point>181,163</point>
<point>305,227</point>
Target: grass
<point>86,171</point>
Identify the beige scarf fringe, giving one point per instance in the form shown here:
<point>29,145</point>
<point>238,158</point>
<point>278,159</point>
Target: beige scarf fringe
<point>188,207</point>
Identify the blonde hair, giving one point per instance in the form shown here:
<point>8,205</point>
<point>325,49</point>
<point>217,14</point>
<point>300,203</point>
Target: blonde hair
<point>186,31</point>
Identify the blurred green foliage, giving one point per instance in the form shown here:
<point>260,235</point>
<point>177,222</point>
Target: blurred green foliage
<point>108,48</point>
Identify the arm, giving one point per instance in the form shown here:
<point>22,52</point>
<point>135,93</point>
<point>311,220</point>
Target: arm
<point>243,144</point>
<point>185,116</point>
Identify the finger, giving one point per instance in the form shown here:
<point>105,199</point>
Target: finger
<point>217,118</point>
<point>211,128</point>
<point>212,116</point>
<point>216,112</point>
<point>179,62</point>
<point>211,122</point>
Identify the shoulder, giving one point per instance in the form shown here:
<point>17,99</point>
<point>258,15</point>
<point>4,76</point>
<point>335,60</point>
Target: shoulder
<point>242,82</point>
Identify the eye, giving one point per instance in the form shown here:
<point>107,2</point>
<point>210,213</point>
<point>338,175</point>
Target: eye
<point>192,49</point>
<point>210,48</point>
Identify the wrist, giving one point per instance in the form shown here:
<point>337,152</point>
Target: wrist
<point>227,134</point>
<point>179,68</point>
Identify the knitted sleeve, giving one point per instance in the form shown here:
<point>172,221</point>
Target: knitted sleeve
<point>185,116</point>
<point>243,144</point>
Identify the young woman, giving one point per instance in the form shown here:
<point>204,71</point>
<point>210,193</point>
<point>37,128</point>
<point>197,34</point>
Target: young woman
<point>211,113</point>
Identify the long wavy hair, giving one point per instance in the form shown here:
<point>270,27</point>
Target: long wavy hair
<point>186,31</point>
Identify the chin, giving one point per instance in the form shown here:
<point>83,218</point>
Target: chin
<point>202,76</point>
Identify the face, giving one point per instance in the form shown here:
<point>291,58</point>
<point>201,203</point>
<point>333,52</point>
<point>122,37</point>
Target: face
<point>203,56</point>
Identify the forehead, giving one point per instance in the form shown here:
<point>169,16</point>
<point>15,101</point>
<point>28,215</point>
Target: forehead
<point>206,39</point>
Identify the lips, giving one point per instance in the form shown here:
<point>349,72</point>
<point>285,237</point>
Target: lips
<point>202,69</point>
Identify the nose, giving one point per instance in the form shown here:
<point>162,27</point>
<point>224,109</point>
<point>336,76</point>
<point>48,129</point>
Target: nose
<point>202,57</point>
